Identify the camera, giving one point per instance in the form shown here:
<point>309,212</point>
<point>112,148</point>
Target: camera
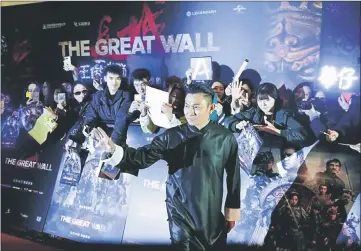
<point>318,103</point>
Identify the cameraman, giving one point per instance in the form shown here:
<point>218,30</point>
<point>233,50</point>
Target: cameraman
<point>312,110</point>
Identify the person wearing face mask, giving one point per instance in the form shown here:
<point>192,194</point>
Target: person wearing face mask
<point>173,109</point>
<point>270,119</point>
<point>141,79</point>
<point>110,106</point>
<point>83,99</point>
<point>198,153</point>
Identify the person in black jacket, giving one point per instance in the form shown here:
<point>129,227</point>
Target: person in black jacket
<point>140,80</point>
<point>198,153</point>
<point>270,119</point>
<point>83,99</point>
<point>109,107</point>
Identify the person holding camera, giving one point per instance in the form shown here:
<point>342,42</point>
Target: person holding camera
<point>311,111</point>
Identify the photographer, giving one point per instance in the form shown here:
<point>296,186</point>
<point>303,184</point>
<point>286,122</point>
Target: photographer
<point>312,111</point>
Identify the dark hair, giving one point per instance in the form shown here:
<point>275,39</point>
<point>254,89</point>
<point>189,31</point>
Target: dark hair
<point>140,74</point>
<point>61,89</point>
<point>78,82</point>
<point>294,193</point>
<point>246,81</point>
<point>269,89</point>
<point>203,89</point>
<point>334,160</point>
<point>114,69</point>
<point>301,85</point>
<point>173,81</point>
<point>291,145</point>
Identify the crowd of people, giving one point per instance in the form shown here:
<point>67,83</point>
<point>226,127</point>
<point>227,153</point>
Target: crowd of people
<point>299,118</point>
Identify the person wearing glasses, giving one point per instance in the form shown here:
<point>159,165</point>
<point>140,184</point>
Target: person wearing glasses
<point>83,99</point>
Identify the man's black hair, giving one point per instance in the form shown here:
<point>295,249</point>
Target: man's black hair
<point>334,160</point>
<point>140,74</point>
<point>291,145</point>
<point>203,89</point>
<point>246,81</point>
<point>114,69</point>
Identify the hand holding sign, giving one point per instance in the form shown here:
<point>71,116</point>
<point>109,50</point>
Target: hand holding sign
<point>201,68</point>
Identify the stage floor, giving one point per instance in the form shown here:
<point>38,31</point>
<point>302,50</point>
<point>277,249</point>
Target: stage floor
<point>12,243</point>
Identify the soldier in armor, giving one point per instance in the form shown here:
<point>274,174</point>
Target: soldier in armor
<point>331,229</point>
<point>323,198</point>
<point>292,218</point>
<point>315,221</point>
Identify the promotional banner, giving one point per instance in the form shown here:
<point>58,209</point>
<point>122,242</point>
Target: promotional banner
<point>66,42</point>
<point>164,36</point>
<point>27,184</point>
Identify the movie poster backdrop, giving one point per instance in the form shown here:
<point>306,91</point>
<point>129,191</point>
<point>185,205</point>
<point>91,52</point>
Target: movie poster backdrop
<point>162,37</point>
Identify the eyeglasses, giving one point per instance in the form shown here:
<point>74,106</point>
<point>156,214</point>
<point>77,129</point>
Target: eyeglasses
<point>80,92</point>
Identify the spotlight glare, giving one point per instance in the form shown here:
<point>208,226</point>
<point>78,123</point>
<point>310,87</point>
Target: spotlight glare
<point>345,77</point>
<point>328,76</point>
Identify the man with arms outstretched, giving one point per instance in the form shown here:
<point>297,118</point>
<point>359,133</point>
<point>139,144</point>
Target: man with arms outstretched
<point>197,154</point>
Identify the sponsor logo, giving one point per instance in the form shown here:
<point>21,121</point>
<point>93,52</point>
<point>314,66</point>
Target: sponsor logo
<point>239,9</point>
<point>200,12</point>
<point>38,218</point>
<point>81,24</point>
<point>53,26</point>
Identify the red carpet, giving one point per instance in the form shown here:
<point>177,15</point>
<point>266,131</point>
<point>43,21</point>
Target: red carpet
<point>12,243</point>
